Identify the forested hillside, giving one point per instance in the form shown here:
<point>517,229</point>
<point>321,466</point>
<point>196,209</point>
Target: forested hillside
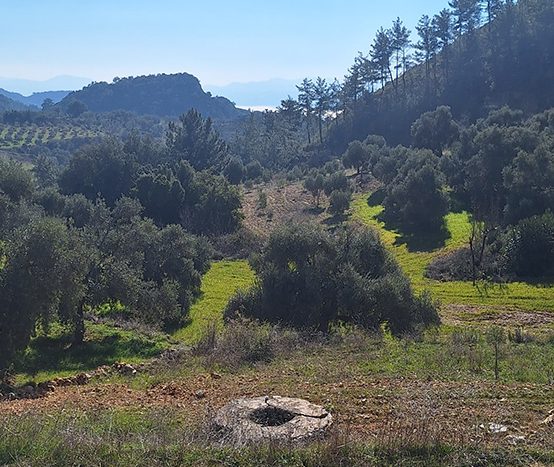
<point>474,57</point>
<point>382,246</point>
<point>161,95</point>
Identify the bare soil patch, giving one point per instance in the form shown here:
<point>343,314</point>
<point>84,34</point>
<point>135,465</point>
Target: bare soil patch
<point>460,314</point>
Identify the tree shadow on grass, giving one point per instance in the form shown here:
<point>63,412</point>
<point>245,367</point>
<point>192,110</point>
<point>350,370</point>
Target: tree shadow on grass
<point>55,354</point>
<point>417,242</point>
<point>425,242</point>
<point>546,282</point>
<point>428,241</point>
<point>336,220</point>
<point>376,198</point>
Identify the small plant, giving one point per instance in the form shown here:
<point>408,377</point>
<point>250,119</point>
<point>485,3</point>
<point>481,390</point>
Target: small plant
<point>262,200</point>
<point>520,336</point>
<point>245,342</point>
<point>496,337</point>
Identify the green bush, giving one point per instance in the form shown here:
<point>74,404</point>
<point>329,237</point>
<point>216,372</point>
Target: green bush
<point>308,278</point>
<point>339,201</point>
<point>530,247</point>
<point>416,200</point>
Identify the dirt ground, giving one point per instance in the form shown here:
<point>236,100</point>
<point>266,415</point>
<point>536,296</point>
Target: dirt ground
<point>366,407</point>
<point>285,203</point>
<point>456,314</point>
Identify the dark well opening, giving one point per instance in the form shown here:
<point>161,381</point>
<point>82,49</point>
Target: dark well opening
<point>271,416</point>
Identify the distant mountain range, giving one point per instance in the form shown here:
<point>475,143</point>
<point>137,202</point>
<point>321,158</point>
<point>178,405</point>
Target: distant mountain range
<point>27,87</point>
<point>161,95</point>
<point>37,98</point>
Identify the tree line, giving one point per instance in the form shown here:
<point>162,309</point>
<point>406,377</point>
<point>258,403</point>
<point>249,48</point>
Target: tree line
<point>124,225</point>
<point>459,57</point>
<point>499,169</point>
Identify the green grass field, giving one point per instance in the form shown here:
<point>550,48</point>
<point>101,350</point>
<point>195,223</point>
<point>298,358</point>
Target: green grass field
<point>519,295</point>
<point>222,280</point>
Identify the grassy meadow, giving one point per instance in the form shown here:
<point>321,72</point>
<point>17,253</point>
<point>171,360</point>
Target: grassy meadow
<point>520,295</point>
<point>219,284</point>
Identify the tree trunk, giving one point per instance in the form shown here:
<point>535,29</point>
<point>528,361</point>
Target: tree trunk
<point>320,121</point>
<point>79,331</point>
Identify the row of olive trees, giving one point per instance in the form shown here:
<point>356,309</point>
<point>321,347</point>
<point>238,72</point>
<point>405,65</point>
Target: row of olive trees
<point>64,256</point>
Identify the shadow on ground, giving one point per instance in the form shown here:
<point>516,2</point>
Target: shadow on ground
<point>415,241</point>
<point>104,347</point>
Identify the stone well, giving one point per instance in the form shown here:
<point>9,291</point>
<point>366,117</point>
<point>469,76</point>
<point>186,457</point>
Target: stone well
<point>274,418</point>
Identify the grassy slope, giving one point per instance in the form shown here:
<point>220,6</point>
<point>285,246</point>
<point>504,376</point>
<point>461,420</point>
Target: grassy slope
<point>222,280</point>
<point>519,295</point>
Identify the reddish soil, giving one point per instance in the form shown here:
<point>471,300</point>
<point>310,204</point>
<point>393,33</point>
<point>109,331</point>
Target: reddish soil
<point>366,407</point>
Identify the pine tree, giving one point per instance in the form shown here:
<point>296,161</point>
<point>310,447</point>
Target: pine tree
<point>400,41</point>
<point>467,14</point>
<point>442,25</point>
<point>321,101</point>
<point>306,101</point>
<point>381,54</point>
<point>427,45</point>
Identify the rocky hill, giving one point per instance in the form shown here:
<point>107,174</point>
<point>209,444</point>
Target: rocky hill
<point>161,95</point>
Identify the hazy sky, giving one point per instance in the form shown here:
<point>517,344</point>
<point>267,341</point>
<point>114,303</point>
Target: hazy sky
<point>218,41</point>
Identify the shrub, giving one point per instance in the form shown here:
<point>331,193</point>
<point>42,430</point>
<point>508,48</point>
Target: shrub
<point>416,199</point>
<point>245,341</point>
<point>314,184</point>
<point>335,181</point>
<point>262,200</point>
<point>234,171</point>
<point>339,201</point>
<point>254,170</point>
<point>530,247</point>
<point>237,245</point>
<point>308,278</point>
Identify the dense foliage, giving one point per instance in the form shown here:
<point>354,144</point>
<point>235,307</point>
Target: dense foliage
<point>469,57</point>
<point>530,247</point>
<point>110,232</point>
<point>161,177</point>
<point>63,256</point>
<point>308,278</point>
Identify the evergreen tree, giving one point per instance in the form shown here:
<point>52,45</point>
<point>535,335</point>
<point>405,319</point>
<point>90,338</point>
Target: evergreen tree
<point>194,139</point>
<point>306,99</point>
<point>442,26</point>
<point>321,103</point>
<point>427,45</point>
<point>381,54</point>
<point>400,42</point>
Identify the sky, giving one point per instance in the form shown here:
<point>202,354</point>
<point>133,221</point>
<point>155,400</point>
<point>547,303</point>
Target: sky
<point>219,41</point>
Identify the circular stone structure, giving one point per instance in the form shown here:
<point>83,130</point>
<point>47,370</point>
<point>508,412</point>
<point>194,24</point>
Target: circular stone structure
<point>272,418</point>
